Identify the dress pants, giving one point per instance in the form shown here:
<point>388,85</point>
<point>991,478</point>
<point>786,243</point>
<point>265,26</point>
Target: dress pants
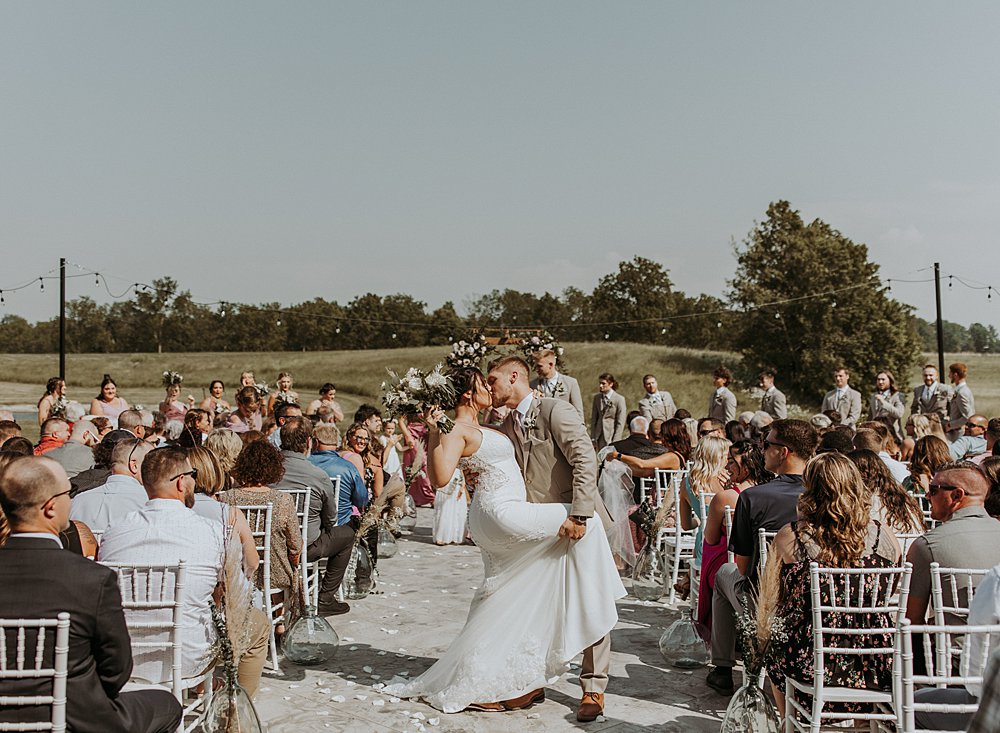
<point>944,721</point>
<point>596,665</point>
<point>335,545</point>
<point>251,664</point>
<point>729,598</point>
<point>148,711</point>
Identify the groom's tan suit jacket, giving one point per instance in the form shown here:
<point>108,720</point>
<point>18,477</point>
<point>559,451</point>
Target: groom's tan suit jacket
<point>557,458</point>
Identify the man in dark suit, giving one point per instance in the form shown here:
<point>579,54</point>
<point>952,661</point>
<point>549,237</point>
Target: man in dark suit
<point>40,580</point>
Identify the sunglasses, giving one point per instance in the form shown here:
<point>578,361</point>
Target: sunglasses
<point>933,489</point>
<point>193,473</point>
<point>56,496</point>
<point>769,443</point>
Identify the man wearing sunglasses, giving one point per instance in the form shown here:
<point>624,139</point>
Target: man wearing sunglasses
<point>967,537</point>
<point>104,505</point>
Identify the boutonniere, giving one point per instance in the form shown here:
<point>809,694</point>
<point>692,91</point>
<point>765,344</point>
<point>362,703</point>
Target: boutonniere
<point>529,422</point>
<point>559,389</point>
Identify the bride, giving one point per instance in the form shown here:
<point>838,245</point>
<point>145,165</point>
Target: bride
<point>543,599</point>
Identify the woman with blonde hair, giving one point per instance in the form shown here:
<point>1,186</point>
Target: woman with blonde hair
<point>834,529</point>
<point>284,393</point>
<point>226,445</point>
<point>929,454</point>
<point>708,475</point>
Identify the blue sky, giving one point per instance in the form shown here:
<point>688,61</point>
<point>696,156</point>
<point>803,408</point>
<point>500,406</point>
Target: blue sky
<point>278,152</point>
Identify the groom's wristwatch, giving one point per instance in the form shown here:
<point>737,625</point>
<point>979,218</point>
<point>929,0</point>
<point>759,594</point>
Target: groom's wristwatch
<point>577,519</point>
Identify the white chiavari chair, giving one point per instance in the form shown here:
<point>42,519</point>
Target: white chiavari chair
<point>259,518</point>
<point>18,661</point>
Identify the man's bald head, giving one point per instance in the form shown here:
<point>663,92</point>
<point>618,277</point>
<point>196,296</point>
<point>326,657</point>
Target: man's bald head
<point>26,486</point>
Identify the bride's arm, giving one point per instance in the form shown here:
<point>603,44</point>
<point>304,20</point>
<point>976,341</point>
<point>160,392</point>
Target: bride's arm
<point>443,450</point>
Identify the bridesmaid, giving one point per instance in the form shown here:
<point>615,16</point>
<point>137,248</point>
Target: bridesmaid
<point>108,403</point>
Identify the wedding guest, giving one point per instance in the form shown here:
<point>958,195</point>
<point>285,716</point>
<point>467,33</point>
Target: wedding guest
<point>55,394</point>
<point>891,505</point>
<point>932,398</point>
<point>451,509</point>
<point>843,398</point>
<point>760,424</point>
<point>722,403</point>
<point>991,467</point>
<point>76,454</point>
<point>773,400</point>
<point>171,406</point>
<point>257,467</point>
<point>104,505</point>
<point>18,444</point>
<point>103,425</point>
<point>156,427</point>
<point>209,482</point>
<point>655,426</point>
<point>965,537</point>
<point>165,531</point>
<point>788,447</point>
<point>673,458</point>
<point>284,393</point>
<point>328,409</point>
<point>873,437</point>
<point>607,414</point>
<point>98,475</point>
<point>296,444</point>
<point>9,429</point>
<point>283,412</point>
<point>834,528</point>
<point>710,426</point>
<point>638,445</point>
<point>886,401</point>
<point>359,440</point>
<point>733,431</point>
<point>746,470</point>
<point>836,441</point>
<point>929,454</point>
<point>108,403</point>
<point>391,440</point>
<point>707,475</point>
<point>656,405</point>
<point>551,383</point>
<point>132,421</point>
<point>415,460</point>
<point>689,422</point>
<point>961,405</point>
<point>216,402</point>
<point>247,415</point>
<point>992,436</point>
<point>197,426</point>
<point>973,441</point>
<point>226,445</point>
<point>55,432</point>
<point>40,581</point>
<point>823,422</point>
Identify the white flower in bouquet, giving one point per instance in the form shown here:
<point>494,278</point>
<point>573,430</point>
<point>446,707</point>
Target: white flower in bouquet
<point>171,378</point>
<point>436,379</point>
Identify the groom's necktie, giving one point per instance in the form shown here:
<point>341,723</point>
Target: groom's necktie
<point>519,424</point>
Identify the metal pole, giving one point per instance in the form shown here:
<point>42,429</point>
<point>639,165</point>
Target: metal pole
<point>62,318</point>
<point>940,323</point>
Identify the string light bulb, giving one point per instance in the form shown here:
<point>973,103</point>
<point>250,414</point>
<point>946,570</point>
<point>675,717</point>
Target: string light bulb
<point>41,284</point>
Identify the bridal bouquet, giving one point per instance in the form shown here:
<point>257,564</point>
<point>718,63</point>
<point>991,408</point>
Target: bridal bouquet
<point>469,352</point>
<point>415,391</point>
<point>172,378</point>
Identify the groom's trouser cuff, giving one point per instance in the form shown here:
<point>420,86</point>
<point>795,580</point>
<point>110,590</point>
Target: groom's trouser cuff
<point>596,666</point>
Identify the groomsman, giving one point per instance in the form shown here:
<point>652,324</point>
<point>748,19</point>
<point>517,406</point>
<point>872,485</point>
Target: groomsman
<point>962,404</point>
<point>722,403</point>
<point>655,405</point>
<point>550,383</point>
<point>607,416</point>
<point>843,398</point>
<point>933,397</point>
<point>773,401</point>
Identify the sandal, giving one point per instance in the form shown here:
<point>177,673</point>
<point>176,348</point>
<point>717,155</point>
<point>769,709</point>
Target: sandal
<point>485,707</point>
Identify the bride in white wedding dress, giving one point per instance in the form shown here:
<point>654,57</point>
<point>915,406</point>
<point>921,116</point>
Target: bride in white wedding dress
<point>543,599</point>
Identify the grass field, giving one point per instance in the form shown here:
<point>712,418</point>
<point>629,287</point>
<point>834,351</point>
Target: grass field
<point>358,374</point>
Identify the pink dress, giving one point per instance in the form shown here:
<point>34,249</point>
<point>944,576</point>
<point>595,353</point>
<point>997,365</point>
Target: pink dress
<point>176,410</point>
<point>113,409</point>
<point>419,484</point>
<point>713,557</point>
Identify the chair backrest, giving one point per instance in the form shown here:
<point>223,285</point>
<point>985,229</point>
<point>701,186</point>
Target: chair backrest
<point>19,662</point>
<point>764,539</point>
<point>952,590</point>
<point>942,671</point>
<point>867,602</point>
<point>259,518</point>
<point>153,600</point>
<point>704,499</point>
<point>728,519</point>
<point>666,483</point>
<point>906,539</point>
<point>301,499</point>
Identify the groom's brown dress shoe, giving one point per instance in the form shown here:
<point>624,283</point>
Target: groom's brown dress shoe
<point>525,701</point>
<point>591,706</point>
<point>485,707</point>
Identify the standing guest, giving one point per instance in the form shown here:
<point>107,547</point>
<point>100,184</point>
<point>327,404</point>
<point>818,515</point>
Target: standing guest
<point>962,404</point>
<point>226,445</point>
<point>390,440</point>
<point>104,505</point>
<point>773,400</point>
<point>284,393</point>
<point>788,447</point>
<point>973,441</point>
<point>283,412</point>
<point>966,536</point>
<point>932,398</point>
<point>41,581</point>
<point>166,531</point>
<point>722,403</point>
<point>257,467</point>
<point>247,415</point>
<point>551,383</point>
<point>887,402</point>
<point>929,454</point>
<point>331,532</point>
<point>76,454</point>
<point>415,460</point>
<point>108,403</point>
<point>53,402</point>
<point>655,405</point>
<point>891,505</point>
<point>55,432</point>
<point>215,403</point>
<point>171,406</point>
<point>607,415</point>
<point>328,409</point>
<point>992,436</point>
<point>843,398</point>
<point>451,509</point>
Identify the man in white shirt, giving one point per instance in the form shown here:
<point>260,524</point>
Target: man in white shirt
<point>104,505</point>
<point>656,405</point>
<point>550,383</point>
<point>165,531</point>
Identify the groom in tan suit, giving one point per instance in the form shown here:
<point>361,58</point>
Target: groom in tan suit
<point>556,457</point>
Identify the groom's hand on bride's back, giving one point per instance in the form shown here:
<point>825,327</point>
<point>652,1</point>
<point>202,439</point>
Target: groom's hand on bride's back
<point>572,529</point>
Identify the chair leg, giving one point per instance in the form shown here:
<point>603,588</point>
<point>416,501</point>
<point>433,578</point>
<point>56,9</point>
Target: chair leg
<point>789,710</point>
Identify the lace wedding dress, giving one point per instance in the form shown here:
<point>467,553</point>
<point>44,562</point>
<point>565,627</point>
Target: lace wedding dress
<point>543,600</point>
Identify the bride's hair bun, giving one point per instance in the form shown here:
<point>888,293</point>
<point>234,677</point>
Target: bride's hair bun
<point>464,379</point>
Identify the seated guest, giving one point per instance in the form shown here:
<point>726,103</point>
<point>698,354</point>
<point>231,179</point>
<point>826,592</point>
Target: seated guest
<point>991,467</point>
<point>638,445</point>
<point>40,581</point>
<point>247,415</point>
<point>283,411</point>
<point>9,429</point>
<point>77,454</point>
<point>197,426</point>
<point>966,536</point>
<point>331,533</point>
<point>132,421</point>
<point>166,531</point>
<point>706,476</point>
<point>835,441</point>
<point>972,442</point>
<point>226,445</point>
<point>789,446</point>
<point>891,505</point>
<point>760,423</point>
<point>674,457</point>
<point>835,529</point>
<point>105,505</point>
<point>96,476</point>
<point>710,426</point>
<point>929,454</point>
<point>870,439</point>
<point>55,432</point>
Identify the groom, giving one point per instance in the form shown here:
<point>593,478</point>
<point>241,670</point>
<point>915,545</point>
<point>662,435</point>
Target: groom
<point>557,459</point>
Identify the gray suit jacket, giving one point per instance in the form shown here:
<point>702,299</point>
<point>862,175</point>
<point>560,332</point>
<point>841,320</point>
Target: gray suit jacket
<point>937,404</point>
<point>722,406</point>
<point>894,410</point>
<point>849,406</point>
<point>607,423</point>
<point>657,409</point>
<point>567,390</point>
<point>961,407</point>
<point>774,404</point>
<point>556,458</point>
